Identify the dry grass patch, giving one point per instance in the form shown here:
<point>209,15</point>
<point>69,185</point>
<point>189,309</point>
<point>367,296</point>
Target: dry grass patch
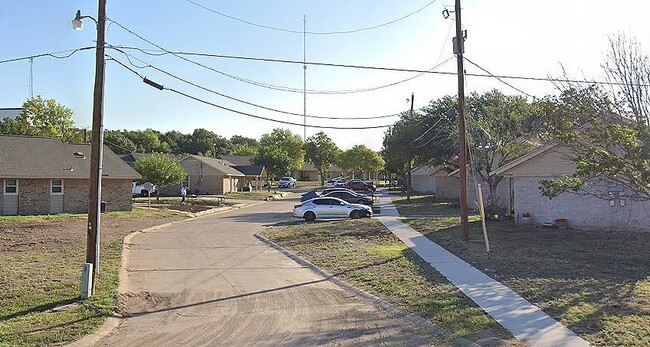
<point>596,283</point>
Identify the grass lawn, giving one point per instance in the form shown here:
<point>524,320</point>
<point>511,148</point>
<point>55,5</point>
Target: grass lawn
<point>594,282</point>
<point>42,257</point>
<point>367,255</point>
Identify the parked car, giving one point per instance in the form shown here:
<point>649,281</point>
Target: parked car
<point>287,182</point>
<point>139,189</point>
<point>309,195</point>
<point>329,190</point>
<point>334,182</point>
<point>326,207</point>
<point>359,185</point>
<point>350,197</point>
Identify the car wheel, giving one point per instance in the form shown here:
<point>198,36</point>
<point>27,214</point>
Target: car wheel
<point>355,215</point>
<point>309,216</point>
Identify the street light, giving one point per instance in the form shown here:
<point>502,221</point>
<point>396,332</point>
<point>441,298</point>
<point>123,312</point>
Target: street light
<point>96,149</point>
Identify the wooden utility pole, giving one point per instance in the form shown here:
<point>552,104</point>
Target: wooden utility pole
<point>459,48</point>
<point>410,158</point>
<point>95,186</point>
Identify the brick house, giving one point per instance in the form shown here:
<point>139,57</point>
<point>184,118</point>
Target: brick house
<point>207,175</point>
<point>254,175</point>
<point>582,211</point>
<point>47,176</point>
<point>308,172</point>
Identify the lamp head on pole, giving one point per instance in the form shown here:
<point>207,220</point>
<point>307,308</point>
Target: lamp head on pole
<point>77,23</point>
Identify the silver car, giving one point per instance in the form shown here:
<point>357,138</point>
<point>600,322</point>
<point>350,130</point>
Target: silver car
<point>328,207</point>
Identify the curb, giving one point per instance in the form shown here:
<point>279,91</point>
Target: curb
<point>417,321</point>
<point>113,322</point>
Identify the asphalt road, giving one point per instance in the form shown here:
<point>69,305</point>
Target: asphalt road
<point>209,282</point>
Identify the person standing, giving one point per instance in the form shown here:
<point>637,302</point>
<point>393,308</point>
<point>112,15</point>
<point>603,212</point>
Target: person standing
<point>183,195</point>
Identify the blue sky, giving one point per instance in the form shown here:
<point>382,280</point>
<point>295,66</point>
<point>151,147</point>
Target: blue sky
<point>530,38</point>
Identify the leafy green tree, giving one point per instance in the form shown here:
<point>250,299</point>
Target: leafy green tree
<point>500,128</point>
<point>243,145</point>
<point>284,141</point>
<point>603,144</point>
<point>118,142</point>
<point>359,159</point>
<point>177,141</point>
<point>244,150</point>
<point>322,152</point>
<point>209,144</point>
<point>160,170</point>
<point>44,118</point>
<point>276,161</point>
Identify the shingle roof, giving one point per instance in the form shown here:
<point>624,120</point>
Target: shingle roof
<point>36,157</point>
<point>217,164</point>
<point>250,170</point>
<point>238,160</point>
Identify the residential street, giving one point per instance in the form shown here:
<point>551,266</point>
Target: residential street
<point>208,281</point>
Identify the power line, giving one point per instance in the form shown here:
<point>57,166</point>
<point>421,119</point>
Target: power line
<point>434,136</point>
<point>310,32</point>
<point>311,91</point>
<point>51,54</point>
<point>161,87</point>
<point>384,68</point>
<point>499,79</point>
<point>147,65</point>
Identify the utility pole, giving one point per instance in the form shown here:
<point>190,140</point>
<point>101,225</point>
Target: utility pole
<point>410,158</point>
<point>459,48</point>
<point>95,186</point>
<point>304,76</point>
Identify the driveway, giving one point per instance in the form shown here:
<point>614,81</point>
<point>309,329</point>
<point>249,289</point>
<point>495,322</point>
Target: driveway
<point>208,281</point>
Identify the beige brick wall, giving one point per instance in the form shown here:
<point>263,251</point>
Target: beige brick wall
<point>34,195</point>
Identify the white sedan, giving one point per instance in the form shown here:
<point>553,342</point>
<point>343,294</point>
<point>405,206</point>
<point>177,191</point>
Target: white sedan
<point>328,207</point>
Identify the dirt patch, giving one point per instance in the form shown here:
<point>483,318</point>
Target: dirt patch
<point>129,304</point>
<point>17,237</point>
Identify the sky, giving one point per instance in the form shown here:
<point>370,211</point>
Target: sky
<point>505,37</point>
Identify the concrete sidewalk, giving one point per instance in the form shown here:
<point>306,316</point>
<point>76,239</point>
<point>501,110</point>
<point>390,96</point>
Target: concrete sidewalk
<point>524,320</point>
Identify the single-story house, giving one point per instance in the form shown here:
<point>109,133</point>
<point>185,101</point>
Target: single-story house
<point>207,175</point>
<point>308,172</point>
<point>47,176</point>
<point>582,211</point>
<point>254,175</point>
<point>421,180</point>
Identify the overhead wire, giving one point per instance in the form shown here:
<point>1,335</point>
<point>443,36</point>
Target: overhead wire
<point>70,52</point>
<point>498,79</point>
<point>148,65</point>
<point>309,91</point>
<point>337,32</point>
<point>161,87</point>
<point>386,68</point>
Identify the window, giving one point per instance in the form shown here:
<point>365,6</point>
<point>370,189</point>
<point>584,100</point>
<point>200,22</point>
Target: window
<point>321,201</point>
<point>11,187</point>
<point>56,188</point>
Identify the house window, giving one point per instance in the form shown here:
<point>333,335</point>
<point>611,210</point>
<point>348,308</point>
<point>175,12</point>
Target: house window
<point>56,187</point>
<point>11,187</point>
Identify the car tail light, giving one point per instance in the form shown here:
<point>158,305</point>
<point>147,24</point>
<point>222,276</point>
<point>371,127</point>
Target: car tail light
<point>296,206</point>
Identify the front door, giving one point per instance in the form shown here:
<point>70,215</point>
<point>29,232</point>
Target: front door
<point>10,197</point>
<point>56,196</point>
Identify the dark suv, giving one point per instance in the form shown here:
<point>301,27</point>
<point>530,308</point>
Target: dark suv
<point>361,186</point>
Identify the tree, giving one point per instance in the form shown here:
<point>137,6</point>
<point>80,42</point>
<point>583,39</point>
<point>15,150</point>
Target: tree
<point>118,142</point>
<point>160,170</point>
<point>322,152</point>
<point>359,159</point>
<point>43,118</point>
<point>177,141</point>
<point>500,128</point>
<point>243,145</point>
<point>276,161</point>
<point>629,67</point>
<point>604,145</point>
<point>209,144</point>
<point>284,141</point>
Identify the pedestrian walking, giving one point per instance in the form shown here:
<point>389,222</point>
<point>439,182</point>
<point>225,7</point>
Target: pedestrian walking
<point>183,195</point>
